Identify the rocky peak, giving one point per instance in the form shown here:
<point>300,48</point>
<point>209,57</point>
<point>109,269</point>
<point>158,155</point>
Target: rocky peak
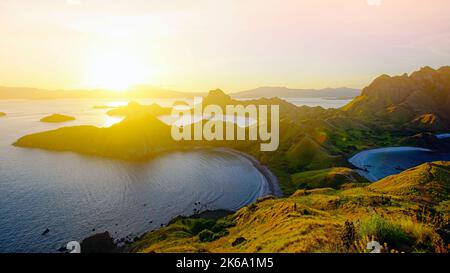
<point>218,93</point>
<point>218,97</point>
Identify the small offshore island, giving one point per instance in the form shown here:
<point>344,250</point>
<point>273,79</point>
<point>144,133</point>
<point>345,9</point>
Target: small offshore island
<point>57,118</point>
<point>103,107</point>
<point>327,206</point>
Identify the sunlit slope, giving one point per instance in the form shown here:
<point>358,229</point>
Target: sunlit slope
<point>428,182</point>
<point>310,155</point>
<point>323,178</point>
<point>134,138</point>
<point>314,220</point>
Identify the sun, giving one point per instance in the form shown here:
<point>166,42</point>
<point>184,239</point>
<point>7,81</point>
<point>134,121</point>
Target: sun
<point>116,69</point>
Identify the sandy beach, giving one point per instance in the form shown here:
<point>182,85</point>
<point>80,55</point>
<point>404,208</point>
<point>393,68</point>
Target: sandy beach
<point>273,187</point>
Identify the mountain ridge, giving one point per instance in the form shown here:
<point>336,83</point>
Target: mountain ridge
<point>11,92</point>
<point>139,92</point>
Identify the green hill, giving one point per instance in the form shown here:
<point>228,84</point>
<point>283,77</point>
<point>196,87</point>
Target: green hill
<point>308,154</point>
<point>324,178</point>
<point>429,182</point>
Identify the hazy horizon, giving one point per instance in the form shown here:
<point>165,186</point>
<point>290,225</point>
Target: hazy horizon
<point>195,46</point>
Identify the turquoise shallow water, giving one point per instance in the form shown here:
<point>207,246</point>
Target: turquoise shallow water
<point>75,196</point>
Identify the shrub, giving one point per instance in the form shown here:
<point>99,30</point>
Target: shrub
<point>348,234</point>
<point>383,231</point>
<point>195,226</point>
<point>206,235</point>
<point>220,234</point>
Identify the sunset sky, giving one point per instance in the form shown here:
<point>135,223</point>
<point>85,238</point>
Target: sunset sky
<point>197,45</point>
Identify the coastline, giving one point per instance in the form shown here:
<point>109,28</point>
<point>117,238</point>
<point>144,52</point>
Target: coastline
<point>271,180</point>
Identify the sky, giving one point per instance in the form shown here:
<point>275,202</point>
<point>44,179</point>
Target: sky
<point>198,45</point>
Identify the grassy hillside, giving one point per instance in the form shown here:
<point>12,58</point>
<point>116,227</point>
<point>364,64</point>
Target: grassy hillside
<point>429,182</point>
<point>325,220</point>
<point>324,178</point>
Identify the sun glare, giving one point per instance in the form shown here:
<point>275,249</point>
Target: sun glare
<point>117,70</point>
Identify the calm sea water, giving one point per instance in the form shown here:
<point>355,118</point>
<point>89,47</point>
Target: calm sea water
<point>382,162</point>
<point>313,102</point>
<point>322,102</point>
<point>75,196</point>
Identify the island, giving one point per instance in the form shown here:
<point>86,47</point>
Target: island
<point>57,118</point>
<point>103,107</point>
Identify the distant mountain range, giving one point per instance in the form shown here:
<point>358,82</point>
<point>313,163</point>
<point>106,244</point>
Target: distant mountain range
<point>156,92</point>
<point>284,92</point>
